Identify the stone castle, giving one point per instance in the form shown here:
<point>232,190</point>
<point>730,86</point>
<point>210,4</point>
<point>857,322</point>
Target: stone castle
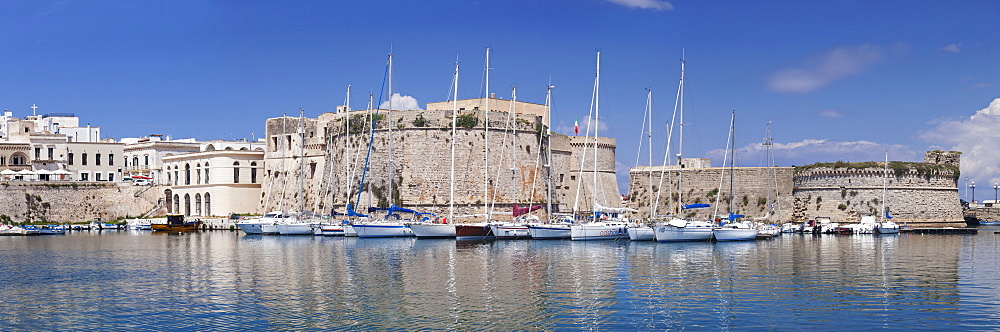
<point>492,171</point>
<point>919,193</point>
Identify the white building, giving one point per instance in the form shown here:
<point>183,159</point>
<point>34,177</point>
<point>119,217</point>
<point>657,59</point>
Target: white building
<point>99,161</point>
<point>214,182</point>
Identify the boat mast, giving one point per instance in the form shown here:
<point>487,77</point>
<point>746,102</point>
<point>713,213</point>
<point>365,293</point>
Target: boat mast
<point>548,147</point>
<point>885,186</point>
<point>586,135</point>
<point>302,160</point>
<point>680,141</point>
<point>649,138</point>
<point>732,161</point>
<point>454,126</point>
<point>597,115</point>
<point>389,172</point>
<point>769,163</point>
<point>486,154</point>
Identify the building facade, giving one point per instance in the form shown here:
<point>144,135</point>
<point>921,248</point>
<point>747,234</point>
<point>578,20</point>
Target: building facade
<point>213,183</point>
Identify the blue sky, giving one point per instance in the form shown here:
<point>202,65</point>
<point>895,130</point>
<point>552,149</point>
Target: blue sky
<point>839,80</point>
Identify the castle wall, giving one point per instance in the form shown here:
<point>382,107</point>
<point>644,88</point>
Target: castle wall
<point>752,186</point>
<point>336,148</point>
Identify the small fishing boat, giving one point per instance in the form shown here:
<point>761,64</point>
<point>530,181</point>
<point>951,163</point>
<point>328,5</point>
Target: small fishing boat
<point>176,223</point>
<point>473,232</point>
<point>47,229</point>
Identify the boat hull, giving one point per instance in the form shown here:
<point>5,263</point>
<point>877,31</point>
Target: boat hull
<point>510,232</point>
<point>332,230</point>
<point>682,234</point>
<point>734,234</point>
<point>349,231</point>
<point>473,232</point>
<point>387,230</point>
<point>188,227</point>
<point>641,234</point>
<point>550,232</point>
<point>250,228</point>
<point>269,229</point>
<point>295,229</point>
<point>431,231</point>
<point>597,232</point>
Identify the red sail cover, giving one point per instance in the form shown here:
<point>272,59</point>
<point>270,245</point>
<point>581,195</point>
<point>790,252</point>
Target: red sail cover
<point>520,211</point>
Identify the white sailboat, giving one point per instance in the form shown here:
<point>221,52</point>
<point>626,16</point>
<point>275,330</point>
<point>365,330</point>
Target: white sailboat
<point>605,225</point>
<point>303,225</point>
<point>555,228</point>
<point>886,226</point>
<point>392,224</point>
<point>679,229</point>
<point>444,230</point>
<point>732,229</point>
<point>644,231</point>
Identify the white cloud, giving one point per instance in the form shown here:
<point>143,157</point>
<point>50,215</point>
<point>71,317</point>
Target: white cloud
<point>401,103</point>
<point>831,113</point>
<point>645,4</point>
<point>953,48</point>
<point>585,128</point>
<point>838,63</point>
<point>976,137</point>
<point>816,150</point>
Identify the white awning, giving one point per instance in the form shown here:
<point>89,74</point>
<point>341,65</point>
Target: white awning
<point>25,172</point>
<point>8,172</point>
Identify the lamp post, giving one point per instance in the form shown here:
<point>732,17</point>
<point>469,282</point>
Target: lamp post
<point>973,187</point>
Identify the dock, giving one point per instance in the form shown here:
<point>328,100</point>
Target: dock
<point>943,230</point>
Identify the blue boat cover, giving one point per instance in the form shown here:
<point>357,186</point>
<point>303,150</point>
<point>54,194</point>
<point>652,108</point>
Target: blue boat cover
<point>696,206</point>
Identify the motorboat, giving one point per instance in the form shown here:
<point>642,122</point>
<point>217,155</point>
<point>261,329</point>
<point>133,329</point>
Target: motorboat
<point>177,223</point>
<point>735,231</point>
<point>677,230</point>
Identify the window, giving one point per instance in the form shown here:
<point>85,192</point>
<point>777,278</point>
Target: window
<point>147,160</point>
<point>111,159</point>
<point>197,204</point>
<point>18,159</point>
<point>176,177</point>
<point>51,150</point>
<point>135,162</point>
<point>177,203</point>
<point>38,153</point>
<point>168,177</point>
<point>3,160</point>
<point>83,159</point>
<point>197,173</point>
<point>97,176</point>
<point>97,161</point>
<point>187,204</point>
<point>253,172</point>
<point>84,177</point>
<point>111,176</point>
<point>206,174</point>
<point>208,205</point>
<point>236,172</point>
<point>289,138</point>
<point>69,158</point>
<point>187,173</point>
<point>274,143</point>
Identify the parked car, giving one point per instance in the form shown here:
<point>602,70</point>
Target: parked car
<point>141,182</point>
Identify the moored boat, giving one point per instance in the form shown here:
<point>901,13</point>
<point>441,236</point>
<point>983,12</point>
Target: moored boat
<point>473,232</point>
<point>176,223</point>
<point>680,230</point>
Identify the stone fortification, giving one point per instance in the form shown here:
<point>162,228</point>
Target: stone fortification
<point>61,202</point>
<point>916,193</point>
<point>336,146</point>
<point>759,192</point>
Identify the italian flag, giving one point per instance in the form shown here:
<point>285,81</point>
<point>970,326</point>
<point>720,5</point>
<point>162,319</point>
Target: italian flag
<point>576,128</point>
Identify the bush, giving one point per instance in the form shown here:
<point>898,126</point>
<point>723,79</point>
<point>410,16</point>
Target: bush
<point>467,120</point>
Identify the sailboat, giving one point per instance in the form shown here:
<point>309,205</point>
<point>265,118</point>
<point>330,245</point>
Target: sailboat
<point>392,224</point>
<point>605,225</point>
<point>733,230</point>
<point>516,229</point>
<point>886,226</point>
<point>267,224</point>
<point>481,231</point>
<point>559,228</point>
<point>644,231</point>
<point>444,230</point>
<point>679,229</point>
<point>301,225</point>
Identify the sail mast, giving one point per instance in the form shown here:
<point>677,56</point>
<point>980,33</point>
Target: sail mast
<point>680,141</point>
<point>486,154</point>
<point>885,185</point>
<point>548,147</point>
<point>454,126</point>
<point>302,160</point>
<point>389,172</point>
<point>597,115</point>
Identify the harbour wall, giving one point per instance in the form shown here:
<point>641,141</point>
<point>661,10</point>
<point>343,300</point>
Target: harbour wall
<point>65,201</point>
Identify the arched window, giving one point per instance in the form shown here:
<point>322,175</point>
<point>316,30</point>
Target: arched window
<point>253,172</point>
<point>177,203</point>
<point>83,161</point>
<point>18,159</point>
<point>187,204</point>
<point>236,172</point>
<point>206,174</point>
<point>187,173</point>
<point>208,205</point>
<point>168,178</point>
<point>3,160</point>
<point>135,162</point>
<point>197,204</point>
<point>197,172</point>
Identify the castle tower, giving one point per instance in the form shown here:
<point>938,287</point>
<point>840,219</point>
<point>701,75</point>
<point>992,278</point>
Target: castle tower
<point>943,158</point>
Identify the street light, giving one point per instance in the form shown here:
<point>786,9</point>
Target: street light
<point>973,187</point>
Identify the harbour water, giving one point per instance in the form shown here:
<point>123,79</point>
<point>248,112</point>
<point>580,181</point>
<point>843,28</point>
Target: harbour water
<point>219,280</point>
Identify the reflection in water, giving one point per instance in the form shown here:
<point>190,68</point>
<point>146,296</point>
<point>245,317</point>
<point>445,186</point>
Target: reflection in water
<point>227,281</point>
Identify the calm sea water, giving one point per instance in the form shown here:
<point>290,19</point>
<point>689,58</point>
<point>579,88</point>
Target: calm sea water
<point>131,280</point>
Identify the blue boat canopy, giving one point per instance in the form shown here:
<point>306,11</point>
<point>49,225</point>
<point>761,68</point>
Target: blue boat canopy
<point>696,206</point>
